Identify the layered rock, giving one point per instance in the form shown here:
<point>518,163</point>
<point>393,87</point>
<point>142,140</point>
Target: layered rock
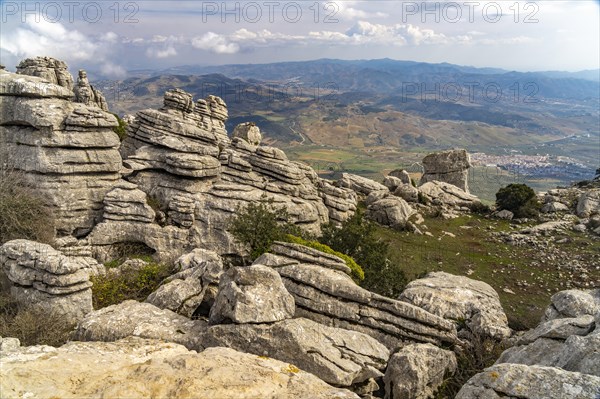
<point>40,276</point>
<point>460,299</point>
<point>142,368</point>
<point>143,320</point>
<point>447,196</point>
<point>339,357</point>
<point>529,382</point>
<point>340,202</point>
<point>359,184</point>
<point>192,290</point>
<point>249,132</point>
<point>330,297</point>
<point>87,94</point>
<point>67,149</point>
<point>417,370</point>
<point>390,211</point>
<point>252,294</point>
<point>450,167</point>
<point>290,253</point>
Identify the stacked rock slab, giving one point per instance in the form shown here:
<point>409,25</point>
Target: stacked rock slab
<point>182,157</point>
<point>327,295</point>
<point>40,276</point>
<point>66,149</point>
<point>451,167</point>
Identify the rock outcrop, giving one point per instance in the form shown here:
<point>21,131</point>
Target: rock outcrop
<point>450,167</point>
<point>337,356</point>
<point>390,211</point>
<point>143,320</point>
<point>139,368</point>
<point>461,299</point>
<point>253,294</point>
<point>67,149</point>
<point>417,370</point>
<point>87,94</point>
<point>40,276</point>
<point>589,203</point>
<point>249,132</point>
<point>359,184</point>
<point>331,298</point>
<point>447,196</point>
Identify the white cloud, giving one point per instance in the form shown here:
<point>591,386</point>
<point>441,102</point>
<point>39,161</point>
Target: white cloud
<point>112,70</point>
<point>43,38</point>
<point>167,52</point>
<point>215,43</point>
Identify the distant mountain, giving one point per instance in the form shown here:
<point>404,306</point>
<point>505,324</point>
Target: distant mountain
<point>387,76</point>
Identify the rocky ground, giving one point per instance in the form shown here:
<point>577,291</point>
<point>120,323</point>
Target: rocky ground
<point>294,323</point>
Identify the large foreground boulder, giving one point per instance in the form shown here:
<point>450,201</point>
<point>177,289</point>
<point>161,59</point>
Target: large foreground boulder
<point>460,299</point>
<point>530,382</point>
<point>138,368</point>
<point>339,357</point>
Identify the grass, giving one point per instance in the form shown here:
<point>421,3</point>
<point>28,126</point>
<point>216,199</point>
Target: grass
<point>478,255</point>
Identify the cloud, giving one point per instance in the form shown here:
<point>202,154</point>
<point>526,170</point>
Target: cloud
<point>167,52</point>
<point>32,39</point>
<point>215,43</point>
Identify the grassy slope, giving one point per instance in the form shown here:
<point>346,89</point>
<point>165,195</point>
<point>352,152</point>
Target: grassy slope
<point>474,253</point>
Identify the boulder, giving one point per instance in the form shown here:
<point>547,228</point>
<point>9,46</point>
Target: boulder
<point>407,192</point>
<point>401,174</point>
<point>417,370</point>
<point>191,288</point>
<point>447,195</point>
<point>49,69</point>
<point>139,368</point>
<point>360,184</point>
<point>589,203</point>
<point>339,357</point>
<point>392,182</point>
<point>450,167</point>
<point>529,382</point>
<point>573,303</point>
<point>249,132</point>
<point>460,299</point>
<point>390,211</point>
<point>143,320</point>
<point>553,207</point>
<point>253,294</point>
<point>40,276</point>
<point>504,214</point>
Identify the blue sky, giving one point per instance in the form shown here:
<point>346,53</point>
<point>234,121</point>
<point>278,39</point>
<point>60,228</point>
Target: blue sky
<point>112,37</point>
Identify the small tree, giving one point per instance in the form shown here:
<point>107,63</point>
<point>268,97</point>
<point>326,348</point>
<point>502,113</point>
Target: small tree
<point>356,238</point>
<point>520,199</point>
<point>121,129</point>
<point>259,224</point>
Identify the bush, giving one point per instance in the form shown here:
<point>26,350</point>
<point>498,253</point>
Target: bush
<point>356,238</point>
<point>520,199</point>
<point>120,130</point>
<point>260,224</point>
<point>32,325</point>
<point>23,213</point>
<point>357,272</point>
<point>137,284</point>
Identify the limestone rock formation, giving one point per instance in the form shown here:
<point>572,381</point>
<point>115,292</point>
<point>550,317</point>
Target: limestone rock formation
<point>589,203</point>
<point>450,167</point>
<point>447,197</point>
<point>87,94</point>
<point>253,294</point>
<point>573,303</point>
<point>296,253</point>
<point>139,368</point>
<point>330,297</point>
<point>417,370</point>
<point>529,382</point>
<point>401,174</point>
<point>67,149</point>
<point>40,276</point>
<point>392,182</point>
<point>390,211</point>
<point>49,69</point>
<point>340,202</point>
<point>192,290</point>
<point>460,298</point>
<point>249,132</point>
<point>143,320</point>
<point>360,184</point>
<point>407,192</point>
<point>339,357</point>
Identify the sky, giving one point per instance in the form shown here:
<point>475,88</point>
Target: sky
<point>113,37</point>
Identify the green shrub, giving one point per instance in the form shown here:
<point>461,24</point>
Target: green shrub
<point>33,325</point>
<point>357,272</point>
<point>481,208</point>
<point>520,199</point>
<point>356,238</point>
<point>422,199</point>
<point>120,130</point>
<point>259,224</point>
<point>23,213</point>
<point>113,288</point>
